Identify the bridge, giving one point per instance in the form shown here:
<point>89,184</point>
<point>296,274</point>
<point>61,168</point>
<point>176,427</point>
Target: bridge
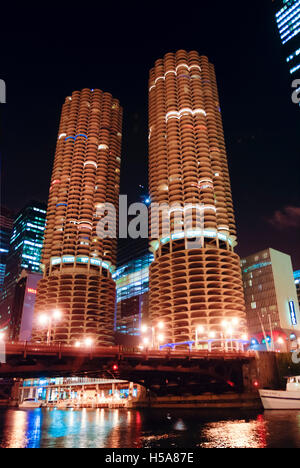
<point>167,371</point>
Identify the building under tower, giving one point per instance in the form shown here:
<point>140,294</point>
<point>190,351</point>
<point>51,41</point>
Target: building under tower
<point>198,283</point>
<point>78,264</point>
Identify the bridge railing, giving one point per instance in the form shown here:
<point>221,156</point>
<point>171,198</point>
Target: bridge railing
<point>117,351</point>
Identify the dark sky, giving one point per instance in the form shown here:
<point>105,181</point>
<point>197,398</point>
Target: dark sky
<point>48,53</point>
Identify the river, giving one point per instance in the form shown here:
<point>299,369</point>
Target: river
<point>54,428</point>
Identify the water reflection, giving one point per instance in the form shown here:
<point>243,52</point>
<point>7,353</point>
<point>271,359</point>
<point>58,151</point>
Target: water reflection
<point>147,428</point>
<point>234,434</point>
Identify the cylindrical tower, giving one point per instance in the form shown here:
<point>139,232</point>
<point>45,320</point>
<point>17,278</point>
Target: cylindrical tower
<point>77,263</point>
<point>191,284</point>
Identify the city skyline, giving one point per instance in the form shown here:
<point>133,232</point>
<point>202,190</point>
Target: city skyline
<point>149,228</point>
<point>261,142</point>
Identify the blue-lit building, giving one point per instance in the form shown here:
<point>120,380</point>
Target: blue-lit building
<point>6,224</point>
<point>288,23</point>
<point>25,251</point>
<point>297,283</point>
<point>132,281</point>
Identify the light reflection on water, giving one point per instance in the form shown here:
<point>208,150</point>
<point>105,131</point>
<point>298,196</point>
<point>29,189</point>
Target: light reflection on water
<point>148,428</point>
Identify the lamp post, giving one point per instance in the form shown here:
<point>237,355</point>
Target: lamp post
<point>155,338</point>
<point>48,320</point>
<point>199,330</point>
<point>229,328</point>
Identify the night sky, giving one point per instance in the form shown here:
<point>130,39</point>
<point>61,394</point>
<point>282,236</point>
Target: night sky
<point>48,53</point>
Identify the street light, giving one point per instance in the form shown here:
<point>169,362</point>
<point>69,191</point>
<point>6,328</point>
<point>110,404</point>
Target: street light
<point>88,342</point>
<point>45,319</point>
<point>199,331</point>
<point>160,338</point>
<point>154,339</point>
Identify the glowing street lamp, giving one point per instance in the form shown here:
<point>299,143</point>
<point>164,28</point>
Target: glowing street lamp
<point>200,330</point>
<point>154,338</point>
<point>88,342</point>
<point>45,320</point>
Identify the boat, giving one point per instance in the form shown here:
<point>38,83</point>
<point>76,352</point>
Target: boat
<point>282,399</point>
<point>30,403</point>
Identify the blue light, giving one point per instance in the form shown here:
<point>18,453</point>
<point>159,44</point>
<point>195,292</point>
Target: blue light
<point>293,313</point>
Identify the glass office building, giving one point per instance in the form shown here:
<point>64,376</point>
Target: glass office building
<point>288,23</point>
<point>6,224</point>
<point>132,282</point>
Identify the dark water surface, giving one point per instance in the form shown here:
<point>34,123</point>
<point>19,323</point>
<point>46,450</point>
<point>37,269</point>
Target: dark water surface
<point>158,428</point>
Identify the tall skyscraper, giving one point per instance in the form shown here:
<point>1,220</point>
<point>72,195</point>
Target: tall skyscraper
<point>25,252</point>
<point>288,23</point>
<point>6,224</point>
<point>78,265</point>
<point>200,285</point>
<point>271,297</point>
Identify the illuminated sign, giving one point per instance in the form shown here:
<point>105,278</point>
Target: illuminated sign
<point>31,291</point>
<point>293,312</point>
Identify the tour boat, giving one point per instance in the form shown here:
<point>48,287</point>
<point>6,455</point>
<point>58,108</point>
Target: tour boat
<point>282,400</point>
<point>30,403</point>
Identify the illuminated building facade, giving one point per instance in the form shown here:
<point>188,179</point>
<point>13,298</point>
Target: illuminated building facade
<point>288,23</point>
<point>78,264</point>
<point>271,297</point>
<point>77,391</point>
<point>197,285</point>
<point>25,252</point>
<point>6,224</point>
<point>132,281</point>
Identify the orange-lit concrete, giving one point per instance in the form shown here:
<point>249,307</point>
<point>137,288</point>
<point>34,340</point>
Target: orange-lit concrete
<point>77,263</point>
<point>188,165</point>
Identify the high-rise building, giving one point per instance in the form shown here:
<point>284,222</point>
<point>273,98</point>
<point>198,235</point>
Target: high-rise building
<point>25,252</point>
<point>271,299</point>
<point>200,284</point>
<point>6,224</point>
<point>132,281</point>
<point>288,23</point>
<point>297,283</point>
<point>78,264</point>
